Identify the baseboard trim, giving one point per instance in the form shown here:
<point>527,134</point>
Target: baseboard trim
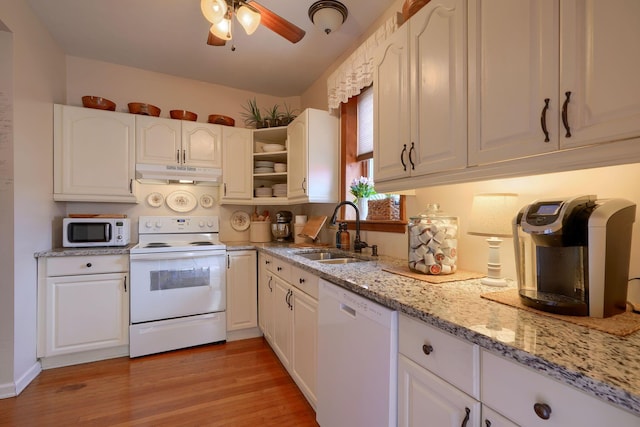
<point>243,334</point>
<point>28,376</point>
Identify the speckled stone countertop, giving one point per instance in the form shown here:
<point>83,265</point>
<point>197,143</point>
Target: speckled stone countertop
<point>102,250</point>
<point>601,364</point>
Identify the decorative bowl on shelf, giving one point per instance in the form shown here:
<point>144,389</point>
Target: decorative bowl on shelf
<point>280,167</point>
<point>183,115</point>
<point>144,109</point>
<point>270,148</point>
<point>98,103</point>
<point>219,119</point>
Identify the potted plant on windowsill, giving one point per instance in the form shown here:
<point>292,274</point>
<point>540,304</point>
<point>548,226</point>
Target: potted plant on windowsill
<point>362,188</point>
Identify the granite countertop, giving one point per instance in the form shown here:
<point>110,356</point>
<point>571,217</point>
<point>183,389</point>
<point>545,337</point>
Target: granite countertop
<point>603,365</point>
<point>101,250</point>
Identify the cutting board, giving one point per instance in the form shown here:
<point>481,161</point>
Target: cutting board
<point>313,226</point>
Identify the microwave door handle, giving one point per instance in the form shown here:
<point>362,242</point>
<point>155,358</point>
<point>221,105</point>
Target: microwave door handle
<point>107,232</point>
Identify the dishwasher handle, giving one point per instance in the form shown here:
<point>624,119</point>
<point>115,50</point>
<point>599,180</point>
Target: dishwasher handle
<point>349,311</point>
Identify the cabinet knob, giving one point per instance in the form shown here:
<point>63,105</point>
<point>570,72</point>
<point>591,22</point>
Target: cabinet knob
<point>427,349</point>
<point>89,265</point>
<point>542,410</point>
<point>301,280</point>
<point>279,268</point>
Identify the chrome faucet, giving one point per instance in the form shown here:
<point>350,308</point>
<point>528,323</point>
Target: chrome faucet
<point>357,243</point>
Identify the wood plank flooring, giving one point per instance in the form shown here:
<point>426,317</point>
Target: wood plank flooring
<point>241,383</point>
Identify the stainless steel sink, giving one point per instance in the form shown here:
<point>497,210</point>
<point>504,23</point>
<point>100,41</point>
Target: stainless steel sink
<point>340,260</point>
<point>326,257</point>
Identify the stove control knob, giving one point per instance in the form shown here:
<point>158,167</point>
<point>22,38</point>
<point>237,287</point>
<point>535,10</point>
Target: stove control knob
<point>148,224</point>
<point>158,224</point>
<point>201,224</point>
<point>210,224</point>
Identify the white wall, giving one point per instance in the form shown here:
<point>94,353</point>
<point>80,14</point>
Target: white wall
<point>38,81</point>
<point>127,84</point>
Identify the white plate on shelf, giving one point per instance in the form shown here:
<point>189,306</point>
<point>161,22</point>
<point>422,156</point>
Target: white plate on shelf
<point>181,201</point>
<point>263,170</point>
<point>270,148</point>
<point>240,220</point>
<point>264,164</point>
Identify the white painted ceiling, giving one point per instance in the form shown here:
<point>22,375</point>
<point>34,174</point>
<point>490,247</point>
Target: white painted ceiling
<point>169,36</point>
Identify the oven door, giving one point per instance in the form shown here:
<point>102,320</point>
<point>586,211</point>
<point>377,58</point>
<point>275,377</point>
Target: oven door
<point>174,284</point>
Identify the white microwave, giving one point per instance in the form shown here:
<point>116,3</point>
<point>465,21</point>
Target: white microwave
<point>92,232</point>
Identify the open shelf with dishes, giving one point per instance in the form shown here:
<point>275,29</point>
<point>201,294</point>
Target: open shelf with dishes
<point>270,160</point>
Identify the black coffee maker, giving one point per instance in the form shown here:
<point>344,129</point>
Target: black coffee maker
<point>572,255</point>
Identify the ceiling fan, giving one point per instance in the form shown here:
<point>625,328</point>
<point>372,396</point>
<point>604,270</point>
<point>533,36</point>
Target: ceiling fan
<point>249,14</point>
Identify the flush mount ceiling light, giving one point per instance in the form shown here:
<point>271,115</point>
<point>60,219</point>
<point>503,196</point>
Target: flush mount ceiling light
<point>328,15</point>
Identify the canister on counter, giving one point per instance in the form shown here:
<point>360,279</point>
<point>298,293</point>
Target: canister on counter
<point>433,242</point>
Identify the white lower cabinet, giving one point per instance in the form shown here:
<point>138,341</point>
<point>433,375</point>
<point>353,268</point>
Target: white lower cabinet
<point>83,308</point>
<point>288,318</point>
<point>438,377</point>
<point>491,418</point>
<point>242,296</point>
<point>427,400</point>
<point>532,399</point>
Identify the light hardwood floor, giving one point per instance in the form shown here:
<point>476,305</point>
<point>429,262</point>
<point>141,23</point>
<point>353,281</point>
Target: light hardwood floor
<point>234,384</point>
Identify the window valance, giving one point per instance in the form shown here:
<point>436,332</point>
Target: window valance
<point>356,72</point>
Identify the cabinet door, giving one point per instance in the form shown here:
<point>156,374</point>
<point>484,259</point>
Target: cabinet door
<point>201,144</point>
<point>265,298</point>
<point>600,71</point>
<point>391,120</point>
<point>426,400</point>
<point>439,98</point>
<point>282,320</point>
<point>86,312</point>
<point>94,155</point>
<point>158,140</point>
<point>297,163</point>
<point>513,68</point>
<point>242,296</point>
<point>491,418</point>
<point>304,358</point>
<point>237,151</point>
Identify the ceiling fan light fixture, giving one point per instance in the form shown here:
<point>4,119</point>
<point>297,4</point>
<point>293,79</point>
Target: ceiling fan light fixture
<point>249,18</point>
<point>213,10</point>
<point>222,29</point>
<point>328,15</point>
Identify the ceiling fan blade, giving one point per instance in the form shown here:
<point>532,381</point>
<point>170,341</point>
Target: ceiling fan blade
<point>214,40</point>
<point>278,24</point>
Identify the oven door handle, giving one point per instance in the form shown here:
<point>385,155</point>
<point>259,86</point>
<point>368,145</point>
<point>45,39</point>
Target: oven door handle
<point>169,256</point>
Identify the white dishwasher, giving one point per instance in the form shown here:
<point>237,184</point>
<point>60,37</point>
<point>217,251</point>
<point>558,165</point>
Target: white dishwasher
<point>357,360</point>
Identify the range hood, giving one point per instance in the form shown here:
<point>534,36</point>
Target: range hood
<point>166,174</point>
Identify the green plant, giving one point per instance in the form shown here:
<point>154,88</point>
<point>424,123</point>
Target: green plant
<point>362,187</point>
<point>272,114</point>
<point>251,114</point>
<point>288,115</point>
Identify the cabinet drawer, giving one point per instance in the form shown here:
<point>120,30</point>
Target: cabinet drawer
<point>513,390</point>
<point>280,268</point>
<point>452,359</point>
<point>86,264</point>
<point>305,281</point>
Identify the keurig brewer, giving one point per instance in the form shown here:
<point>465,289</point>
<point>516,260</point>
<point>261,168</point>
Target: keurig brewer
<point>578,260</point>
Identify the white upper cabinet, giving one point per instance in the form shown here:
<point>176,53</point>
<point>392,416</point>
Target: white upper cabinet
<point>547,75</point>
<point>236,164</point>
<point>169,141</point>
<point>420,98</point>
<point>94,155</point>
<point>513,68</point>
<point>313,146</point>
<point>599,66</point>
